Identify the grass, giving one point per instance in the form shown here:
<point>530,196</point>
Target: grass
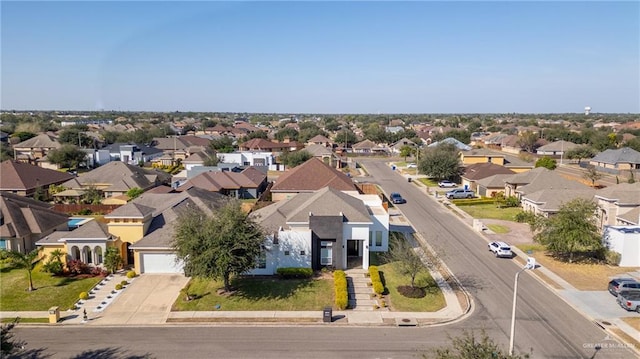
<point>259,293</point>
<point>583,276</point>
<point>490,211</point>
<point>50,291</point>
<point>432,302</point>
<point>498,228</point>
<point>428,182</point>
<point>634,322</point>
<point>24,320</point>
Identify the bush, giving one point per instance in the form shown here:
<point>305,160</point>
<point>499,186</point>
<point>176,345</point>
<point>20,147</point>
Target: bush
<point>340,288</point>
<point>124,282</point>
<point>294,272</point>
<point>612,258</point>
<point>83,295</point>
<point>131,274</point>
<point>53,267</point>
<point>97,271</point>
<point>118,286</point>
<point>85,212</point>
<point>76,267</point>
<point>374,274</point>
<point>525,217</point>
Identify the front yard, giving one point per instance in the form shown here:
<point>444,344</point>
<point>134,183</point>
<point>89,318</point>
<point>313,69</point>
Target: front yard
<point>258,293</point>
<point>50,291</point>
<point>432,302</point>
<point>490,211</point>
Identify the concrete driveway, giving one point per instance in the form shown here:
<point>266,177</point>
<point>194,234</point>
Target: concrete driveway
<point>147,300</point>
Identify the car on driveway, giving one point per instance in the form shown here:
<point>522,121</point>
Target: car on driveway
<point>460,193</point>
<point>617,285</point>
<point>501,249</point>
<point>447,184</point>
<point>629,300</point>
<point>396,198</point>
<point>412,165</point>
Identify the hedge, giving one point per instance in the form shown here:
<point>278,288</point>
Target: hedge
<point>340,288</point>
<point>469,202</point>
<point>294,272</point>
<point>374,274</point>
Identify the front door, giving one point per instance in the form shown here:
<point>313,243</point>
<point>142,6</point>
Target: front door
<point>352,248</point>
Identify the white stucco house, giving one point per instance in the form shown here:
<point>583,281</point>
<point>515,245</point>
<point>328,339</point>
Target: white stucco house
<point>624,240</point>
<point>326,228</point>
<point>251,158</point>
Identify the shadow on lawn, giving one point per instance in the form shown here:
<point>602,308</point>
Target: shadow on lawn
<point>268,287</point>
<point>110,353</point>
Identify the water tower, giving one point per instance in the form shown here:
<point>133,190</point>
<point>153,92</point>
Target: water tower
<point>587,110</point>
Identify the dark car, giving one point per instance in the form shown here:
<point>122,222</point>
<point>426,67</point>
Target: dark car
<point>619,284</point>
<point>396,198</point>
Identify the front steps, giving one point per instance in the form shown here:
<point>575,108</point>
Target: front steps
<point>361,295</point>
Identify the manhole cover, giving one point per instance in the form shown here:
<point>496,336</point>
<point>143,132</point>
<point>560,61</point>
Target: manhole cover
<point>406,322</point>
<point>606,323</point>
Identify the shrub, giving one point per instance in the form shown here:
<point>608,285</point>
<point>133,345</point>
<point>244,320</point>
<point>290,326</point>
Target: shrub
<point>83,295</point>
<point>612,258</point>
<point>85,212</point>
<point>131,274</point>
<point>124,282</point>
<point>294,272</point>
<point>118,286</point>
<point>525,217</point>
<point>340,288</point>
<point>53,267</point>
<point>76,267</point>
<point>374,274</point>
<point>97,271</point>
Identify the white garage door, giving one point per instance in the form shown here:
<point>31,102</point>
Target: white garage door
<point>160,263</point>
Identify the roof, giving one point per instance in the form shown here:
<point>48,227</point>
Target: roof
<point>325,202</point>
<point>550,200</point>
<point>481,170</point>
<point>117,147</point>
<point>495,181</point>
<point>621,155</point>
<point>21,216</point>
<point>366,144</point>
<point>481,152</point>
<point>40,141</point>
<point>121,176</point>
<point>548,180</point>
<point>131,210</point>
<point>319,139</point>
<point>557,146</point>
<point>90,230</point>
<point>313,175</point>
<point>23,176</point>
<point>632,216</point>
<point>461,146</point>
<point>220,180</point>
<point>318,150</point>
<point>623,193</point>
<point>262,144</point>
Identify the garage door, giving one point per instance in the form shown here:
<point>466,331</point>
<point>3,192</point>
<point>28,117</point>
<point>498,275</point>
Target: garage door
<point>160,263</point>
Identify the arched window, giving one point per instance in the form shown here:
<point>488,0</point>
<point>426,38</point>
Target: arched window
<point>86,255</point>
<point>98,252</point>
<point>75,253</point>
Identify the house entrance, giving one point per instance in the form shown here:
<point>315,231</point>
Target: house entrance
<point>354,253</point>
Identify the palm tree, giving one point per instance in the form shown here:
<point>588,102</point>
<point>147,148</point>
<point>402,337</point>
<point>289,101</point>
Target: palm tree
<point>27,261</point>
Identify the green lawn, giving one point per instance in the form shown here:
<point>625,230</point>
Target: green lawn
<point>50,291</point>
<point>433,301</point>
<point>497,228</point>
<point>429,182</point>
<point>259,293</point>
<point>491,211</point>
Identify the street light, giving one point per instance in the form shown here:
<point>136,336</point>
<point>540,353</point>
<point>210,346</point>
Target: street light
<point>531,264</point>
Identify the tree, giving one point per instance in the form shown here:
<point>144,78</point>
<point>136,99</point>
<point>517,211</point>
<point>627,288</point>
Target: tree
<point>293,159</point>
<point>528,140</point>
<point>468,346</point>
<point>404,259</point>
<point>580,152</point>
<point>571,230</point>
<point>223,144</point>
<point>440,162</point>
<point>546,162</point>
<point>75,136</point>
<point>68,156</point>
<point>211,160</point>
<point>634,143</point>
<point>406,151</point>
<point>287,133</point>
<point>27,261</point>
<point>592,175</point>
<point>54,265</point>
<point>134,192</point>
<point>112,259</point>
<point>346,137</point>
<point>219,246</point>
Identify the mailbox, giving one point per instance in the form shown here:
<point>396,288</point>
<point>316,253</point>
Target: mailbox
<point>327,314</point>
<point>54,315</point>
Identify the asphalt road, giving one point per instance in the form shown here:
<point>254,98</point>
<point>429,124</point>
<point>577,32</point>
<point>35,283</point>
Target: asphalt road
<point>545,324</point>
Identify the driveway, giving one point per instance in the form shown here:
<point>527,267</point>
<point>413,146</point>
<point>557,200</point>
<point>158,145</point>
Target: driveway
<point>147,300</point>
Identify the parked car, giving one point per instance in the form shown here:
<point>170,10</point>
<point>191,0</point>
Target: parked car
<point>412,165</point>
<point>396,198</point>
<point>617,285</point>
<point>446,183</point>
<point>629,300</point>
<point>460,193</point>
<point>501,249</point>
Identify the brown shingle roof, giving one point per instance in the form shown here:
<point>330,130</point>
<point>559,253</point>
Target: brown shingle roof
<point>23,176</point>
<point>481,170</point>
<point>312,176</point>
<point>24,216</point>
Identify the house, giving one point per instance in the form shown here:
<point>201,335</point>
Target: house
<point>616,161</point>
<point>546,202</point>
<point>492,185</point>
<point>88,243</point>
<point>23,221</point>
<point>116,178</point>
<point>325,154</point>
<point>130,153</point>
<point>398,145</point>
<point>450,140</point>
<point>481,155</point>
<point>262,145</point>
<point>29,180</point>
<point>367,147</point>
<point>556,149</point>
<point>35,148</point>
<point>310,176</point>
<point>624,240</point>
<point>320,140</point>
<point>248,184</point>
<point>326,228</point>
<point>252,158</point>
<point>537,179</point>
<point>618,204</point>
<point>478,171</point>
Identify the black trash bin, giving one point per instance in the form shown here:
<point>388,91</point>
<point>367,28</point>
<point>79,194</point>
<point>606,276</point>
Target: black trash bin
<point>327,314</point>
<point>409,179</point>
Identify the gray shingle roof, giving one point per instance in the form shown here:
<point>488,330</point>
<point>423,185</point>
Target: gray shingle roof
<point>623,193</point>
<point>550,200</point>
<point>115,172</point>
<point>23,216</point>
<point>621,155</point>
<point>23,176</point>
<point>632,216</point>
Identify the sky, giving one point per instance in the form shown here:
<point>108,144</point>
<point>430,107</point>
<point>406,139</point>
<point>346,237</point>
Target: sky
<point>321,57</point>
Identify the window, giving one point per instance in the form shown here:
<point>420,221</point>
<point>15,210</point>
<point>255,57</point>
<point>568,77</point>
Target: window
<point>370,238</point>
<point>3,244</point>
<point>301,253</point>
<point>262,260</point>
<point>286,253</point>
<point>378,238</point>
<point>326,253</point>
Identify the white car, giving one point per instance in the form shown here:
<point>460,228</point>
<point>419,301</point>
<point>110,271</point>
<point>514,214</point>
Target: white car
<point>412,165</point>
<point>446,183</point>
<point>500,249</point>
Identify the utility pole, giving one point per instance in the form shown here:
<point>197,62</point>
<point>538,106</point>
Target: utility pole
<point>531,264</point>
